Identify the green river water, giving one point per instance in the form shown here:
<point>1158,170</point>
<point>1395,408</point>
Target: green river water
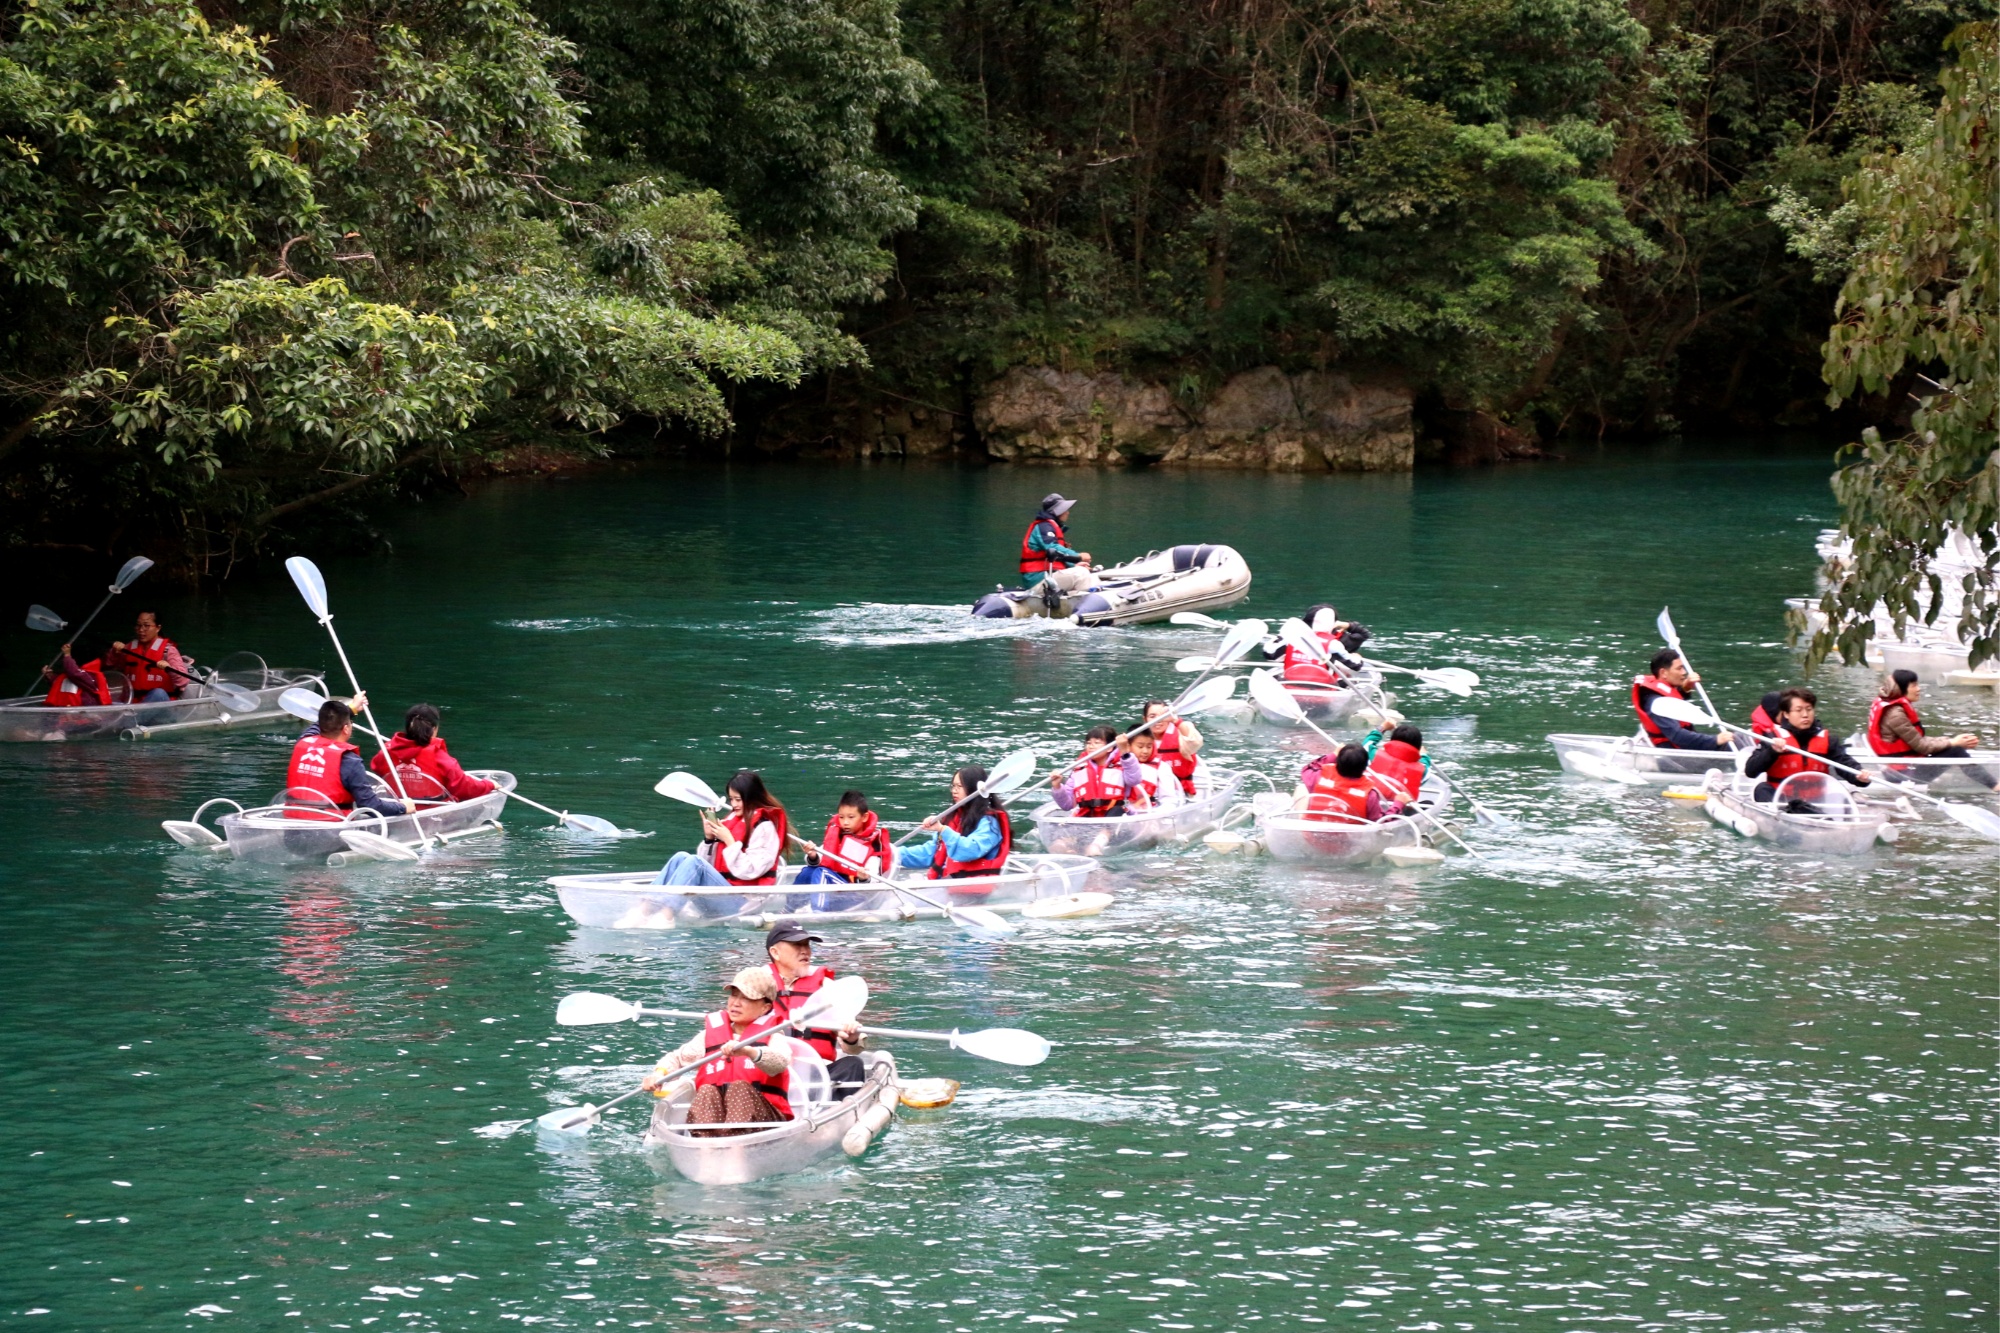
<point>1630,1072</point>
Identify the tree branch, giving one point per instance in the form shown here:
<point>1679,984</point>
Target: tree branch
<point>265,519</point>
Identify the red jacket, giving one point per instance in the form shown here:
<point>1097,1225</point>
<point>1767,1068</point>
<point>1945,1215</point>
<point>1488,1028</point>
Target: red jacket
<point>433,760</point>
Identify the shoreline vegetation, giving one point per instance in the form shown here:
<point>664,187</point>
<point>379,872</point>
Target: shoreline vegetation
<point>268,264</point>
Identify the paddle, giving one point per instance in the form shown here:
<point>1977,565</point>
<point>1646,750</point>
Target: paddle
<point>41,618</point>
<point>1198,619</point>
<point>1296,634</point>
<point>312,586</point>
<point>305,705</point>
<point>1453,680</point>
<point>127,575</point>
<point>1196,698</point>
<point>1264,687</point>
<point>235,697</point>
<point>980,922</point>
<point>1665,624</point>
<point>1007,1046</point>
<point>1241,638</point>
<point>834,1005</point>
<point>1983,822</point>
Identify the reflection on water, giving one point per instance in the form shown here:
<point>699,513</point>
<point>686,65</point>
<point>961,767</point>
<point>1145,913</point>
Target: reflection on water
<point>1630,1070</point>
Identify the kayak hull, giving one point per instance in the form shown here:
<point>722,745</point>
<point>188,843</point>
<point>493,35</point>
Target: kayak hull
<point>1139,592</point>
<point>1324,704</point>
<point>630,900</point>
<point>1848,830</point>
<point>813,1135</point>
<point>1580,754</point>
<point>29,719</point>
<point>1346,842</point>
<point>1069,835</point>
<point>1931,772</point>
<point>266,836</point>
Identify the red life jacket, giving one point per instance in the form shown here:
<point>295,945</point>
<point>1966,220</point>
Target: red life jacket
<point>793,995</point>
<point>1101,794</point>
<point>943,867</point>
<point>1042,562</point>
<point>1150,777</point>
<point>1880,741</point>
<point>1762,723</point>
<point>737,1069</point>
<point>1790,763</point>
<point>435,762</point>
<point>1171,754</point>
<point>142,667</point>
<point>1641,687</point>
<point>1334,795</point>
<point>1302,669</point>
<point>743,828</point>
<point>66,693</point>
<point>316,767</point>
<point>1397,762</point>
<point>839,850</point>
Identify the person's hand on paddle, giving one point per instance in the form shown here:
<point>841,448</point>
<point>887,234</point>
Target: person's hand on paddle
<point>931,822</point>
<point>359,703</point>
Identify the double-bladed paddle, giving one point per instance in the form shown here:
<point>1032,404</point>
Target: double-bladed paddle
<point>128,574</point>
<point>1983,822</point>
<point>1007,1046</point>
<point>835,1005</point>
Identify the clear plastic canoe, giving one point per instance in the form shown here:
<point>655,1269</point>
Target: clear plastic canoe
<point>29,719</point>
<point>1074,836</point>
<point>295,833</point>
<point>814,1132</point>
<point>630,900</point>
<point>1932,772</point>
<point>1343,840</point>
<point>1635,754</point>
<point>1324,704</point>
<point>1836,825</point>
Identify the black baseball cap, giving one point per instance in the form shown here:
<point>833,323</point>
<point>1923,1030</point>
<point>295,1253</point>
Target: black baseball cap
<point>790,932</point>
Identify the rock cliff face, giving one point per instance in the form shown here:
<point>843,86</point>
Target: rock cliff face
<point>1263,419</point>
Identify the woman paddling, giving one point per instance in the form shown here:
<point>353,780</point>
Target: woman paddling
<point>751,1087</point>
<point>974,840</point>
<point>745,848</point>
<point>1895,729</point>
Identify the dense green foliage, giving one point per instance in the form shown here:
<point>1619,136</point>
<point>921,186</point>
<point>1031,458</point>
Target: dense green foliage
<point>260,256</point>
<point>1917,312</point>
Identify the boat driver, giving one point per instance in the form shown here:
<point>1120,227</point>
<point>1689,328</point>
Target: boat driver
<point>1046,554</point>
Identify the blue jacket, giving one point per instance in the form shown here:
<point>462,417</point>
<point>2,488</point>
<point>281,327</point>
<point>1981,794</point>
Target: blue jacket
<point>977,845</point>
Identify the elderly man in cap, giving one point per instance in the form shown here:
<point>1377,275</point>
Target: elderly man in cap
<point>790,947</point>
<point>1045,550</point>
<point>750,1087</point>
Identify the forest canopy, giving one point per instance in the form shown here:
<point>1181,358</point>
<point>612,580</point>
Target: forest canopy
<point>265,259</point>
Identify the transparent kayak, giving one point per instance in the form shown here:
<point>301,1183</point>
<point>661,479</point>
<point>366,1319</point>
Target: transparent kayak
<point>1586,755</point>
<point>1066,833</point>
<point>29,719</point>
<point>813,1133</point>
<point>1343,840</point>
<point>1836,824</point>
<point>1325,703</point>
<point>630,900</point>
<point>293,834</point>
<point>1916,768</point>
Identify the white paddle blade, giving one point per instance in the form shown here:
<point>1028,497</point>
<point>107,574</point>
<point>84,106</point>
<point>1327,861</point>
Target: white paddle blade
<point>980,922</point>
<point>588,1009</point>
<point>234,697</point>
<point>129,572</point>
<point>306,577</point>
<point>1242,637</point>
<point>1007,1046</point>
<point>190,834</point>
<point>41,618</point>
<point>834,1005</point>
<point>1196,618</point>
<point>301,703</point>
<point>568,1120</point>
<point>594,824</point>
<point>376,847</point>
<point>1665,624</point>
<point>1211,693</point>
<point>1189,666</point>
<point>687,788</point>
<point>1011,772</point>
<point>1470,678</point>
<point>1269,694</point>
<point>1983,822</point>
<point>1684,712</point>
<point>1449,684</point>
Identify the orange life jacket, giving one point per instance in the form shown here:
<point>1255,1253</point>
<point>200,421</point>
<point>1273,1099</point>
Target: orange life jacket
<point>743,828</point>
<point>1170,753</point>
<point>840,850</point>
<point>143,670</point>
<point>1334,796</point>
<point>1790,762</point>
<point>943,867</point>
<point>1042,562</point>
<point>1880,741</point>
<point>66,693</point>
<point>1641,687</point>
<point>315,766</point>
<point>1762,723</point>
<point>1304,669</point>
<point>714,1072</point>
<point>1102,794</point>
<point>793,995</point>
<point>1398,770</point>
